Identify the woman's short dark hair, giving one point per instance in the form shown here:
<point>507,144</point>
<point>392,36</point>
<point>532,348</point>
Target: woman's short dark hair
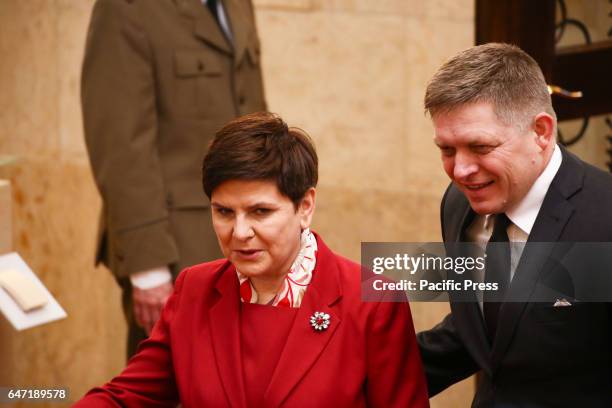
<point>260,146</point>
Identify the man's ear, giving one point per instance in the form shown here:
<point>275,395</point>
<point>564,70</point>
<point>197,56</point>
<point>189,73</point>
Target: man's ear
<point>544,128</point>
<point>307,207</point>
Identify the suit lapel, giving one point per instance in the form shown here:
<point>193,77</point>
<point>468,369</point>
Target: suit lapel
<point>465,310</point>
<point>304,344</point>
<point>204,25</point>
<point>554,214</point>
<point>225,332</point>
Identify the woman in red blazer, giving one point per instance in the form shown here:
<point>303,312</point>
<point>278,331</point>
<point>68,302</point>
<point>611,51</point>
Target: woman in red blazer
<point>280,322</point>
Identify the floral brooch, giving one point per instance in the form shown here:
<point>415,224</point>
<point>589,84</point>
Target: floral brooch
<point>320,321</point>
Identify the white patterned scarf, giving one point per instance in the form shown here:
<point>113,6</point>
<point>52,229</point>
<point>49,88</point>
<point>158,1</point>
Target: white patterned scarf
<point>297,280</point>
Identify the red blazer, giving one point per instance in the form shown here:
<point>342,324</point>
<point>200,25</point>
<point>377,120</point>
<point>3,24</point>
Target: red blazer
<point>368,357</point>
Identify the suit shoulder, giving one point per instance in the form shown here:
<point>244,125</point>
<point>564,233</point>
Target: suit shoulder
<point>112,7</point>
<point>354,279</point>
<point>597,187</point>
<point>346,264</point>
<point>598,176</point>
<point>348,269</point>
<point>591,201</point>
<point>574,170</point>
<point>117,11</point>
<point>114,3</point>
<point>349,273</point>
<point>203,274</point>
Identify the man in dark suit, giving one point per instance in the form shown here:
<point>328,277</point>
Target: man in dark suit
<point>159,78</point>
<point>511,182</point>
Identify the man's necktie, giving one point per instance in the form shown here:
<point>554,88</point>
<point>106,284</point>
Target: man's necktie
<point>212,6</point>
<point>497,270</point>
<point>220,17</point>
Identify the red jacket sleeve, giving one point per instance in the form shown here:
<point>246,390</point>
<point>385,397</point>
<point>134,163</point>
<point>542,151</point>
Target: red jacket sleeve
<point>148,380</point>
<point>395,373</point>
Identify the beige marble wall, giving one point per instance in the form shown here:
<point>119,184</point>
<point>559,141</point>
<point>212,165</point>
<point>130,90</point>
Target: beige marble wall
<point>55,203</point>
<point>350,72</point>
<point>6,217</point>
<point>6,246</point>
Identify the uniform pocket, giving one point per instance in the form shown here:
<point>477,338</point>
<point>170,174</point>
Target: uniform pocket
<point>200,88</point>
<point>193,63</point>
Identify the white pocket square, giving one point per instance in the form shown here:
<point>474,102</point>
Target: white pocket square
<point>562,303</point>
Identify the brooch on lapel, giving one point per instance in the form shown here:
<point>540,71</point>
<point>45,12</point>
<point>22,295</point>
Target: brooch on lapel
<point>319,321</point>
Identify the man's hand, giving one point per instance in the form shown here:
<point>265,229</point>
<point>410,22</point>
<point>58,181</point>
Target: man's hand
<point>148,304</point>
<point>150,290</point>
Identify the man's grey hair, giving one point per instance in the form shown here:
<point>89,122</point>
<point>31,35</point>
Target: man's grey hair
<point>497,73</point>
